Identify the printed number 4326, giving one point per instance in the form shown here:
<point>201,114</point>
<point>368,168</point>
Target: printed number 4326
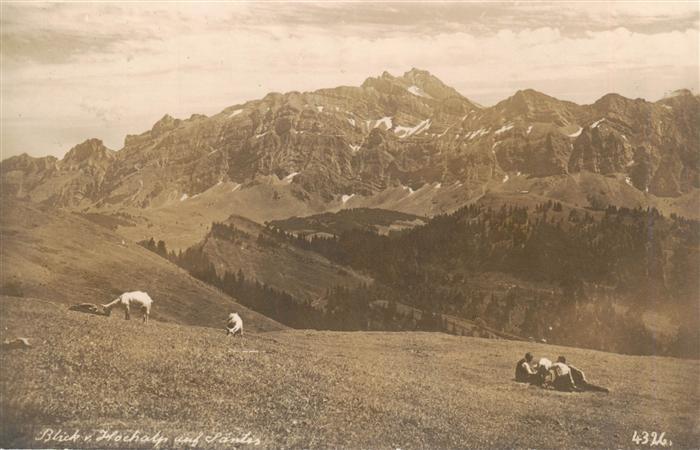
<point>652,439</point>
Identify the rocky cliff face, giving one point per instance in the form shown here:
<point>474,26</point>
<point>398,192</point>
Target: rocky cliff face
<point>391,132</point>
<point>76,179</point>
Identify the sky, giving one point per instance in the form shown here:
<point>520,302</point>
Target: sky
<point>74,71</point>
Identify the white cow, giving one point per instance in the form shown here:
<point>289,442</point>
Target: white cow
<point>136,299</point>
<point>234,325</point>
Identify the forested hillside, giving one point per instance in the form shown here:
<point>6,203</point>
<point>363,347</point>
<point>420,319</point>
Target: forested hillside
<point>570,276</point>
<point>620,279</point>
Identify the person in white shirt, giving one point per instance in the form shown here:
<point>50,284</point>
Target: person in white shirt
<point>543,366</point>
<point>561,376</point>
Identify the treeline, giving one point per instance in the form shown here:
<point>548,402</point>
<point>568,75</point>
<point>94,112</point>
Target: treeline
<point>257,296</point>
<point>648,262</point>
<point>345,309</point>
<point>622,247</point>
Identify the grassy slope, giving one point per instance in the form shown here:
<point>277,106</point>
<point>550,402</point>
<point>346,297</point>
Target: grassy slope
<point>184,223</point>
<point>304,274</point>
<point>324,389</point>
<point>586,189</point>
<point>61,256</point>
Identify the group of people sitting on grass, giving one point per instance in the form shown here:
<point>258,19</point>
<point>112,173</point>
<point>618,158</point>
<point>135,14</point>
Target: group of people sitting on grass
<point>559,375</point>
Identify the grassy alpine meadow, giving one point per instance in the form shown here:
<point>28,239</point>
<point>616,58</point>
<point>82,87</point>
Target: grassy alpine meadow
<point>102,382</point>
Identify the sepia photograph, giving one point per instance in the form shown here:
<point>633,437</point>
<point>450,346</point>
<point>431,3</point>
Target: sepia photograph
<point>349,225</point>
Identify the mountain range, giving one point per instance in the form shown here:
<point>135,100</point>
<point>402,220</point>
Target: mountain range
<point>407,143</point>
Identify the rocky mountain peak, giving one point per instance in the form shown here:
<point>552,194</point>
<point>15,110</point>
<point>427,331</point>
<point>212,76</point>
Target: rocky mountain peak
<point>679,93</point>
<point>27,163</point>
<point>535,106</point>
<point>429,84</point>
<point>532,95</point>
<point>417,82</point>
<point>166,123</point>
<point>417,75</point>
<point>614,101</point>
<point>92,149</point>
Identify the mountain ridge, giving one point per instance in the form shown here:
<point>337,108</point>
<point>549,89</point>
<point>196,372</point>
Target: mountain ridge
<point>391,132</point>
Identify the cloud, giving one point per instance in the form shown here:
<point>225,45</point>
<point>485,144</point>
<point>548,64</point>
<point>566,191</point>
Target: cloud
<point>105,70</point>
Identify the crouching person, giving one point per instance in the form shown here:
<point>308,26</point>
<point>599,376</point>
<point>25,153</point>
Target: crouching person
<point>524,373</point>
<point>234,325</point>
<point>543,367</point>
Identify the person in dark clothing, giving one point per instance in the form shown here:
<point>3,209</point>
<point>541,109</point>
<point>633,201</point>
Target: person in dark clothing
<point>524,373</point>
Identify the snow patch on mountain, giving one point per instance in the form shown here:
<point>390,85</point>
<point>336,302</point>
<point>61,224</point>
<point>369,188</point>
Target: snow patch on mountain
<point>235,113</point>
<point>504,128</point>
<point>477,133</point>
<point>354,147</point>
<point>415,90</point>
<point>319,108</point>
<point>351,121</point>
<point>403,132</point>
<point>529,129</point>
<point>384,120</point>
<point>346,197</point>
<point>290,177</point>
<point>597,122</point>
<point>576,134</point>
<point>184,197</point>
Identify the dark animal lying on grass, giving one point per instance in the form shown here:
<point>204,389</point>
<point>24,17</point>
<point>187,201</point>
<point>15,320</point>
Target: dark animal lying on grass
<point>89,308</point>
